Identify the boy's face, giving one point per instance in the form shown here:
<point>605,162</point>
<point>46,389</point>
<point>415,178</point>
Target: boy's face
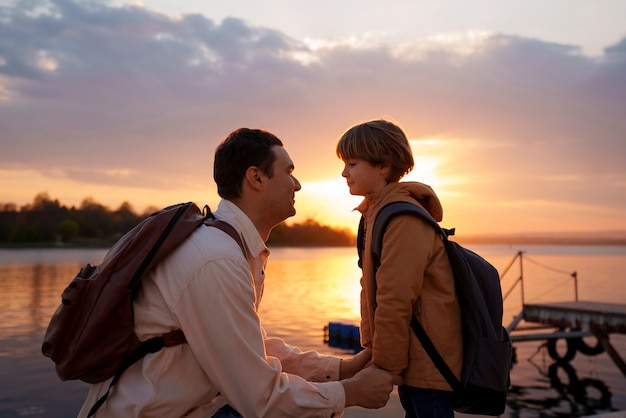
<point>363,177</point>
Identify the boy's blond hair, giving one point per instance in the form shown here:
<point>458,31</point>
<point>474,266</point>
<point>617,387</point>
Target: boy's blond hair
<point>378,142</point>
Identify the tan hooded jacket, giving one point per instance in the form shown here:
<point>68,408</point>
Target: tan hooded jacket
<point>414,277</point>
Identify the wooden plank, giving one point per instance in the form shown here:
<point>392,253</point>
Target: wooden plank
<point>608,317</point>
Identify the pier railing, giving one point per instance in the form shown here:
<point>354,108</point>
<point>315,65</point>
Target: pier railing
<point>571,321</point>
<point>520,279</point>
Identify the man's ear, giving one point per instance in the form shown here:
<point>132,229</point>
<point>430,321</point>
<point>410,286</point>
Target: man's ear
<point>254,177</point>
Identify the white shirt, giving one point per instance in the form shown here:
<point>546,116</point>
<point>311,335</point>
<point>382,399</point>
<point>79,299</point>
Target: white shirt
<point>207,288</point>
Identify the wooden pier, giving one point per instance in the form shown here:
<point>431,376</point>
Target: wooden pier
<point>604,317</point>
<point>571,321</point>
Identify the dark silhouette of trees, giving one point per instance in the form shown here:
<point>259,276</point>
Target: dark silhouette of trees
<point>310,233</point>
<point>46,222</point>
<point>69,230</point>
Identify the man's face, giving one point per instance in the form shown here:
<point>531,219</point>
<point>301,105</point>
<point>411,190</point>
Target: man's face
<point>282,186</point>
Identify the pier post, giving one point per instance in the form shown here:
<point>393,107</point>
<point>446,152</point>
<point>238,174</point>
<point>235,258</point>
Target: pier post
<point>608,347</point>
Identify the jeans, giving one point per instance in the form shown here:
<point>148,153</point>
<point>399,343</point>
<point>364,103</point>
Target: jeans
<point>425,403</point>
<point>226,412</point>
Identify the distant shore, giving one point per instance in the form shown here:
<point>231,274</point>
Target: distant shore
<point>47,223</point>
<point>543,240</point>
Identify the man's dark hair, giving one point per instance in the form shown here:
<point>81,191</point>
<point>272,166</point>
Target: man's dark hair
<point>243,148</point>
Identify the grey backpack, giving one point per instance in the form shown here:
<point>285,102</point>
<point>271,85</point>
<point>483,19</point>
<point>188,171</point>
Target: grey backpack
<point>487,349</point>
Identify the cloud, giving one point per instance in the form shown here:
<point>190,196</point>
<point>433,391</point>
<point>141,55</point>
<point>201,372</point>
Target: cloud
<point>125,95</point>
<point>126,80</point>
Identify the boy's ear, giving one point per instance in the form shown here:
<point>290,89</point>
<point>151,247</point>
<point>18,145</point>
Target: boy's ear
<point>384,170</point>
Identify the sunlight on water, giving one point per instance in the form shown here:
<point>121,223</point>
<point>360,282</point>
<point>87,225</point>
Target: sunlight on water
<point>306,288</point>
<point>311,288</point>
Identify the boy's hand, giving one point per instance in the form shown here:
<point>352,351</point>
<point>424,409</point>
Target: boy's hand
<point>350,367</point>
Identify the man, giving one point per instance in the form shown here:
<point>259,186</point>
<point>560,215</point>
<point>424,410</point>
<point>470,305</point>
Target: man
<point>208,288</point>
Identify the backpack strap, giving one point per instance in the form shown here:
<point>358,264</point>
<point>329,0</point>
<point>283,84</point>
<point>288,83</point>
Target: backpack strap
<point>171,338</point>
<point>211,220</point>
<point>229,229</point>
<point>393,209</point>
<point>151,345</point>
<point>360,241</point>
<point>434,355</point>
<point>383,218</point>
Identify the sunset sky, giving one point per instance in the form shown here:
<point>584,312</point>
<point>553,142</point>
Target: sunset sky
<point>516,110</point>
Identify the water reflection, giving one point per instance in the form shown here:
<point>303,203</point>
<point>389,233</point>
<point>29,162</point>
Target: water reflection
<point>306,289</point>
<point>31,293</point>
<point>560,393</point>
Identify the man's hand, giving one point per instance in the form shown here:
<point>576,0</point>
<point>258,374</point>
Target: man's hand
<point>370,388</point>
<point>350,367</point>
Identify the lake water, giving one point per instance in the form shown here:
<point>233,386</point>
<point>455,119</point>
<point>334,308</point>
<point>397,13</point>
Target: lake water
<point>305,290</point>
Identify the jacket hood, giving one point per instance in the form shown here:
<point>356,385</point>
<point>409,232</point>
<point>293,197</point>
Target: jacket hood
<point>410,191</point>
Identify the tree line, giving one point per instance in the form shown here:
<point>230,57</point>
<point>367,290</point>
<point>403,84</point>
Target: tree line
<point>47,222</point>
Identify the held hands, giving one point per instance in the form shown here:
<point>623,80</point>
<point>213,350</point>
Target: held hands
<point>370,388</point>
<point>350,367</point>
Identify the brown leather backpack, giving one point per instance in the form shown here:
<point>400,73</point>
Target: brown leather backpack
<point>91,335</point>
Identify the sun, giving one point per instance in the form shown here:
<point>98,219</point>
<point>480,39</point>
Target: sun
<point>329,201</point>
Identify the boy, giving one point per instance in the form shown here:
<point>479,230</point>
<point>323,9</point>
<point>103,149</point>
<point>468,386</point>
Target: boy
<point>414,277</point>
